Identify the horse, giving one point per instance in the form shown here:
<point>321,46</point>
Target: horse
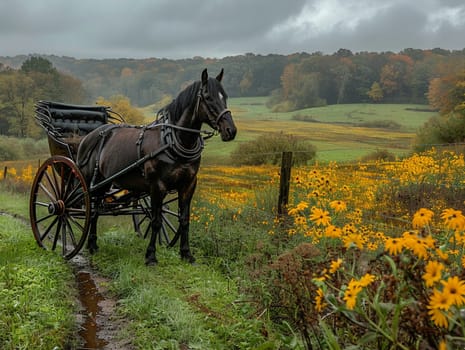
<point>167,153</point>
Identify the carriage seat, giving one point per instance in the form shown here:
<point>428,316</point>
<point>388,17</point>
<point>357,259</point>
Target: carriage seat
<point>66,120</point>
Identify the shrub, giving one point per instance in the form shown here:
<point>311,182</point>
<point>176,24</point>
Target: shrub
<point>268,148</point>
<point>381,154</point>
<point>440,130</point>
<point>12,148</point>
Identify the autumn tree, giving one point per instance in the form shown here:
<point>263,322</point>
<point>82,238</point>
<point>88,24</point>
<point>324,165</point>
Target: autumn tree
<point>376,92</point>
<point>396,74</point>
<point>122,105</point>
<point>447,94</point>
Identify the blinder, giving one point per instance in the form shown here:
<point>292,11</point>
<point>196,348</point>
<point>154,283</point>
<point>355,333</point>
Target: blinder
<point>214,123</point>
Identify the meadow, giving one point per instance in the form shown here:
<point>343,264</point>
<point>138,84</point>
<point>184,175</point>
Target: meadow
<point>370,255</point>
<point>340,132</point>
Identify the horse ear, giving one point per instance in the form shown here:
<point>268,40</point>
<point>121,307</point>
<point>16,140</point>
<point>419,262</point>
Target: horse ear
<point>204,77</point>
<point>220,76</point>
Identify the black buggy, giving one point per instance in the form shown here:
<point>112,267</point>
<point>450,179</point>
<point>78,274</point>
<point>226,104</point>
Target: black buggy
<point>60,203</point>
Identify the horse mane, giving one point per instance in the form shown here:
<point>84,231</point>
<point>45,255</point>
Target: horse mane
<point>189,95</point>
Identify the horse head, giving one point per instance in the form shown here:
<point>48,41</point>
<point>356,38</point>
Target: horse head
<point>212,106</point>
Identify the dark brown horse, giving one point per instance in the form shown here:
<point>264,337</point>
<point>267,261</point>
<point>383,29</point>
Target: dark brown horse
<point>158,158</point>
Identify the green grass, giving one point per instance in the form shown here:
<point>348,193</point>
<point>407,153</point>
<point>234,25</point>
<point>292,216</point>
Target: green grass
<point>37,301</point>
<point>340,132</point>
<point>175,304</point>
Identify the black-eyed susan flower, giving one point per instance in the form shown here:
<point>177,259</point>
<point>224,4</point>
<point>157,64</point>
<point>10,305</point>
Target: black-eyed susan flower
<point>354,239</point>
<point>394,245</point>
<point>366,280</point>
<point>333,231</point>
<point>440,300</point>
<point>438,317</point>
<point>422,218</point>
<point>338,205</point>
<point>319,300</point>
<point>453,219</point>
<point>335,265</point>
<point>351,293</point>
<point>418,246</point>
<point>298,208</point>
<point>432,273</point>
<point>320,217</point>
<point>455,289</point>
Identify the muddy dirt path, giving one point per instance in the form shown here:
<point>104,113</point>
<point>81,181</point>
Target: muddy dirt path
<point>100,326</point>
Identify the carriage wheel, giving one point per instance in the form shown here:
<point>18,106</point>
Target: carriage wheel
<point>170,220</point>
<point>59,207</point>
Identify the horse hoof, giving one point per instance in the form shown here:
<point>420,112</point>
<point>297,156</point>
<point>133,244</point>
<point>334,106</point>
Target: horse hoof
<point>93,250</point>
<point>188,258</point>
<point>151,261</point>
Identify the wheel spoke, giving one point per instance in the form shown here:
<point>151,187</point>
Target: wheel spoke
<point>57,234</point>
<point>63,236</point>
<point>71,233</point>
<point>49,228</point>
<point>47,192</point>
<point>53,184</point>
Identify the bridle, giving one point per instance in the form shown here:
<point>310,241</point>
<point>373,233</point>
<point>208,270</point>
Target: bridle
<point>200,97</point>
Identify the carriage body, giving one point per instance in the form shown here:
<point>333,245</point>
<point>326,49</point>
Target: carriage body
<point>61,204</point>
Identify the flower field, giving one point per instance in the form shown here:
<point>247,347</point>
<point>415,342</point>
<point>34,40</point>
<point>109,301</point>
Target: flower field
<point>370,255</point>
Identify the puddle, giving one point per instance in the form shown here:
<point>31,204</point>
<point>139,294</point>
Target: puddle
<point>89,297</point>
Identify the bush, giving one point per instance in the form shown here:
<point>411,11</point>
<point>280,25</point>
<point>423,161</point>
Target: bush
<point>12,148</point>
<point>268,148</point>
<point>381,154</point>
<point>8,149</point>
<point>440,130</point>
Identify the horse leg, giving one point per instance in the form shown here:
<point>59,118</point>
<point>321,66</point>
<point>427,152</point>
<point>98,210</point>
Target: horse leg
<point>184,203</point>
<point>157,200</point>
<point>92,239</point>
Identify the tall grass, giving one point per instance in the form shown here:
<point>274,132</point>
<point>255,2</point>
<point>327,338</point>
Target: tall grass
<point>36,293</point>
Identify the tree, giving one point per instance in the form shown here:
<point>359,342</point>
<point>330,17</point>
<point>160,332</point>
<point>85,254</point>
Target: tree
<point>122,105</point>
<point>38,64</point>
<point>396,74</point>
<point>376,92</point>
<point>16,101</point>
<point>447,93</point>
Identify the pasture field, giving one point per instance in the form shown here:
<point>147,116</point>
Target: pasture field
<point>340,132</point>
<point>370,256</point>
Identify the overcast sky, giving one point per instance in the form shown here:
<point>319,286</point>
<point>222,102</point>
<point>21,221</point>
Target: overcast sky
<point>218,28</point>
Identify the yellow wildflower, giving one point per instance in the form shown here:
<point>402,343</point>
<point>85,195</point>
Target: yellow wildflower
<point>440,300</point>
<point>393,245</point>
<point>319,300</point>
<point>338,205</point>
<point>432,273</point>
<point>453,219</point>
<point>335,265</point>
<point>351,293</point>
<point>422,218</point>
<point>333,231</point>
<point>320,217</point>
<point>366,280</point>
<point>438,318</point>
<point>455,289</point>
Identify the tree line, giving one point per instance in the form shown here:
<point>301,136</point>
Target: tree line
<point>292,82</point>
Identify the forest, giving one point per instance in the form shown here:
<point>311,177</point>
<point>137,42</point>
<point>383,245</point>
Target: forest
<point>292,82</point>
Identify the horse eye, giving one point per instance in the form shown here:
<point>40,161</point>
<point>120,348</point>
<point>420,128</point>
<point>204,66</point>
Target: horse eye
<point>220,95</point>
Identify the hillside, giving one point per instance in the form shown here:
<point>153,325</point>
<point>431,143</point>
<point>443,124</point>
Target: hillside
<point>339,132</point>
<point>298,80</point>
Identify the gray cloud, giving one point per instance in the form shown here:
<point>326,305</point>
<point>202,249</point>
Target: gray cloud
<point>217,28</point>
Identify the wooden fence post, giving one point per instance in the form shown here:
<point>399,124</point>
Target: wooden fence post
<point>284,183</point>
<point>5,172</point>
